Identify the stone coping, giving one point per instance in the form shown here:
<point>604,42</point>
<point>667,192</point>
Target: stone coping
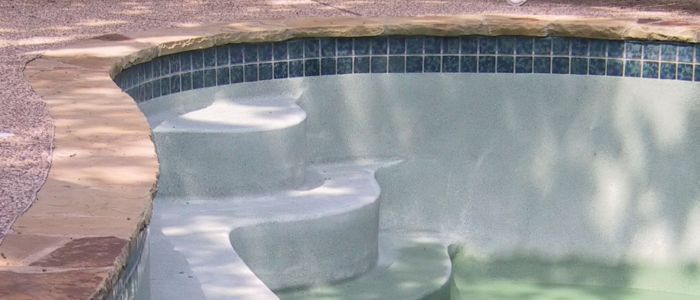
<point>74,241</point>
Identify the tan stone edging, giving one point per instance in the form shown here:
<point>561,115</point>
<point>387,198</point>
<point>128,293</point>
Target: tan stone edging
<point>104,163</point>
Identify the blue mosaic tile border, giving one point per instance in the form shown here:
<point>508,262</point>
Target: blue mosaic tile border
<point>235,63</point>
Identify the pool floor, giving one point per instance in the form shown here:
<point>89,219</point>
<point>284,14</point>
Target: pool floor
<point>525,278</point>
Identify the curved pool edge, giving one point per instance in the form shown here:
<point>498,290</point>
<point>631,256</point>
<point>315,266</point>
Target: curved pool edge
<point>99,189</point>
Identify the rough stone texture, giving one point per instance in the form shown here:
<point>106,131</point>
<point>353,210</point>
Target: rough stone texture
<point>46,284</point>
<point>84,252</point>
<point>104,165</point>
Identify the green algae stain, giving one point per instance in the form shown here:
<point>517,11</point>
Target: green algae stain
<point>536,278</point>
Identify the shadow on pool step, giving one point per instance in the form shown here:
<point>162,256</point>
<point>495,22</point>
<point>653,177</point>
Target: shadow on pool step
<point>290,238</point>
<point>410,267</point>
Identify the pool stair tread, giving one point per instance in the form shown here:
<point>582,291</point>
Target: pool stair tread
<point>240,116</point>
<point>232,147</point>
<point>410,267</point>
<point>341,200</point>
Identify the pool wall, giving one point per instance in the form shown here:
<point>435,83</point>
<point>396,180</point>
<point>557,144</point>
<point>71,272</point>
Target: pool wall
<point>73,81</point>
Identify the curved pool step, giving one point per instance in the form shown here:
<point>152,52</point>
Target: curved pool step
<point>232,148</point>
<point>242,247</point>
<point>410,267</point>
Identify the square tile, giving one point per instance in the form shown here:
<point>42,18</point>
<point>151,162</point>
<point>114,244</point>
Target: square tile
<point>506,45</point>
<point>560,65</point>
<point>344,65</point>
<point>165,86</point>
<point>209,77</point>
<point>156,87</point>
<point>164,67</point>
<point>296,68</point>
<point>450,45</point>
<point>468,64</point>
<point>668,52</point>
<point>505,64</point>
<point>488,45</point>
<point>361,65</point>
<point>236,74</point>
<point>543,46</point>
<point>596,66</point>
<point>697,54</point>
<point>414,64</point>
<point>265,71</point>
<point>697,73</point>
<point>431,63</point>
<point>209,55</point>
<point>185,63</point>
<point>652,51</point>
<point>379,45</point>
<point>560,46</point>
<point>361,46</point>
<point>223,77</point>
<point>156,72</point>
<point>149,89</point>
<point>633,68</point>
<point>667,71</point>
<point>344,46</point>
<point>222,55</point>
<point>614,67</point>
<point>650,70</point>
<point>579,65</point>
<point>186,81</point>
<point>397,64</point>
<point>633,50</point>
<point>450,64</point>
<point>197,80</point>
<point>265,52</point>
<point>524,45</point>
<point>414,45</point>
<point>579,47</point>
<point>685,53</point>
<point>174,84</point>
<point>470,45</point>
<point>523,64</point>
<point>281,70</point>
<point>543,65</point>
<point>397,45</point>
<point>197,62</point>
<point>487,64</point>
<point>279,51</point>
<point>328,47</point>
<point>597,48</point>
<point>312,48</point>
<point>378,64</point>
<point>328,66</point>
<point>433,45</point>
<point>251,72</point>
<point>236,54</point>
<point>685,72</point>
<point>250,53</point>
<point>295,49</point>
<point>312,67</point>
<point>616,49</point>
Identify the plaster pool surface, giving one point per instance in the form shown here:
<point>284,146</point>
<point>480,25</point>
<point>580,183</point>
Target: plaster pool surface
<point>570,278</point>
<point>369,179</point>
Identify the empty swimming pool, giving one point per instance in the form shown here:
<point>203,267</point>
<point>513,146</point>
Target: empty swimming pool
<point>420,167</point>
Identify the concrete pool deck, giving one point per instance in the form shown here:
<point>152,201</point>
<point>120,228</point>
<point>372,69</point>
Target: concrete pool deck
<point>73,243</point>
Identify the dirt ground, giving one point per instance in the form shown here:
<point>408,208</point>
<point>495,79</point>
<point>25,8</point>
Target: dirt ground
<point>31,25</point>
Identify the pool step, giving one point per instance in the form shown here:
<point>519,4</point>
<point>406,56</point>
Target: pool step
<point>232,148</point>
<point>244,247</point>
<point>409,268</point>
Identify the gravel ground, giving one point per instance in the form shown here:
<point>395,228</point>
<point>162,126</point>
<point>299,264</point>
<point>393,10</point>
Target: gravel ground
<point>30,25</point>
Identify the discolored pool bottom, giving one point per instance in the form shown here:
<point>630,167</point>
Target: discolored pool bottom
<point>524,278</point>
